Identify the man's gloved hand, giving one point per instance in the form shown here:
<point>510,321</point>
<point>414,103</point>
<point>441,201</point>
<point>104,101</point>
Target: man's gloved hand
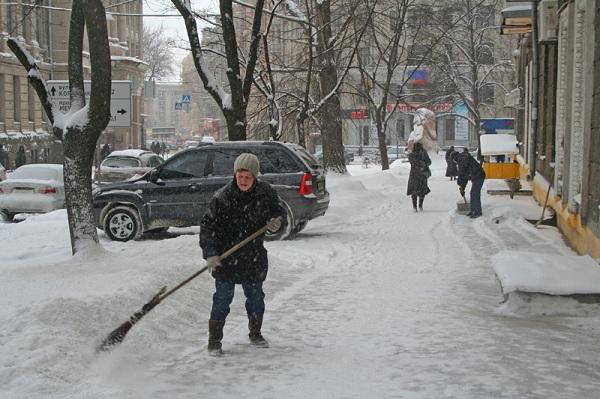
<point>212,263</point>
<point>462,191</point>
<point>274,224</point>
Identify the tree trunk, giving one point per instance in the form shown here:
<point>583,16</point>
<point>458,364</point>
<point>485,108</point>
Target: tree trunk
<point>329,115</point>
<point>80,132</point>
<point>78,190</point>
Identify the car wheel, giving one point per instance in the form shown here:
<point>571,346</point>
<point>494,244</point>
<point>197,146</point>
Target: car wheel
<point>287,225</point>
<point>6,215</point>
<point>122,223</point>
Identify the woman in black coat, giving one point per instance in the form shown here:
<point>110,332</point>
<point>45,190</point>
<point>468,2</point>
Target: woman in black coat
<point>451,169</point>
<point>419,173</point>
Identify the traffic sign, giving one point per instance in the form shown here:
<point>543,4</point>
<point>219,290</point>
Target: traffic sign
<point>120,99</point>
<point>178,106</point>
<point>186,98</point>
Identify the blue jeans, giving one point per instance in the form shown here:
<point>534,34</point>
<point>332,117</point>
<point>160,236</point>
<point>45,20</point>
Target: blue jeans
<point>476,196</point>
<point>223,296</point>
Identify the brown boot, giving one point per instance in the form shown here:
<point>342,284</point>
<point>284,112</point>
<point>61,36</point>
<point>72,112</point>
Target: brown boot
<point>254,325</point>
<point>215,335</point>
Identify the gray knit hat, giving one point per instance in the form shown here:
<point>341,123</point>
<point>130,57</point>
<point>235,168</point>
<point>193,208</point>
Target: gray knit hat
<point>248,162</point>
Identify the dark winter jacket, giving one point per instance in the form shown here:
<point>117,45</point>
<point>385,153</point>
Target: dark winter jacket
<point>468,169</point>
<point>419,173</point>
<point>452,168</point>
<point>20,159</point>
<point>233,215</point>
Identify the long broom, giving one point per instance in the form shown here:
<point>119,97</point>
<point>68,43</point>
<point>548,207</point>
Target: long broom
<point>118,335</point>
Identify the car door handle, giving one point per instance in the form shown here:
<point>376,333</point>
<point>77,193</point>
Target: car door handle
<point>194,187</point>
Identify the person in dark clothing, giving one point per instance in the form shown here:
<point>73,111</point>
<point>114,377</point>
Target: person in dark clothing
<point>451,168</point>
<point>419,173</point>
<point>470,169</point>
<point>20,158</point>
<point>104,151</point>
<point>236,211</point>
<point>3,157</point>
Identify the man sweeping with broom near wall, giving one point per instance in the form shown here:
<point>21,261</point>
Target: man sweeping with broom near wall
<point>235,211</point>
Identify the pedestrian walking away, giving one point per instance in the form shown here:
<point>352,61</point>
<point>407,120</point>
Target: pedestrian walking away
<point>451,168</point>
<point>105,151</point>
<point>470,169</point>
<point>20,158</point>
<point>235,211</point>
<point>419,173</point>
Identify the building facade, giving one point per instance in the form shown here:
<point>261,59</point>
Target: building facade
<point>558,118</point>
<point>43,31</point>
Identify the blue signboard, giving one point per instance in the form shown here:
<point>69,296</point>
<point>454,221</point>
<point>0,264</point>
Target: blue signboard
<point>186,98</point>
<point>498,125</point>
<point>178,106</point>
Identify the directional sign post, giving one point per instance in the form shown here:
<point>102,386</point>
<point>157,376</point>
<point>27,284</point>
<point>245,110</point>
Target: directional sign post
<point>120,99</point>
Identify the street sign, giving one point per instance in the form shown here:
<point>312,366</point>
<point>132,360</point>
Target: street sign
<point>120,99</point>
<point>186,98</point>
<point>178,106</point>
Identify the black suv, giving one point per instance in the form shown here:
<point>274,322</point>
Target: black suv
<point>177,192</point>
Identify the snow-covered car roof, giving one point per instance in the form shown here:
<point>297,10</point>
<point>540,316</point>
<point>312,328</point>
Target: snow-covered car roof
<point>129,153</point>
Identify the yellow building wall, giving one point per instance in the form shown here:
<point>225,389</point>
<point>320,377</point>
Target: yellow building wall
<point>581,238</point>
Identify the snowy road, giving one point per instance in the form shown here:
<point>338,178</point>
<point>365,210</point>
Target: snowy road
<point>372,300</point>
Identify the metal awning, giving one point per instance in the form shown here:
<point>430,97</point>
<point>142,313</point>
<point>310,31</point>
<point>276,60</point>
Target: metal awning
<point>516,20</point>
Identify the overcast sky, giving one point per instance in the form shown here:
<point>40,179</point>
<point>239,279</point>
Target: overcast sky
<point>173,23</point>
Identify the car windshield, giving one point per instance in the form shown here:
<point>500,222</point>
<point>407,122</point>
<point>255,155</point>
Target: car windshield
<point>36,173</point>
<point>121,162</point>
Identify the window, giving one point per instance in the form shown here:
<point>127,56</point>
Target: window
<point>121,162</point>
<point>449,128</point>
<point>486,94</point>
<point>2,99</point>
<point>393,20</point>
<point>485,54</point>
<point>277,161</point>
<point>17,99</point>
<point>31,102</point>
<point>223,162</point>
<point>364,56</point>
<point>416,54</point>
<point>190,164</point>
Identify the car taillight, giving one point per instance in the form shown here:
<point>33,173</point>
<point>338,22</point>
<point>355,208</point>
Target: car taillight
<point>46,190</point>
<point>306,187</point>
<point>3,190</point>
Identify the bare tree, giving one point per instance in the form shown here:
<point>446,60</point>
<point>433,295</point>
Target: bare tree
<point>158,53</point>
<point>234,103</point>
<point>81,127</point>
<point>468,65</point>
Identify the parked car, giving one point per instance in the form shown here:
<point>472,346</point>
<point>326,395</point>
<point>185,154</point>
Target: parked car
<point>348,156</point>
<point>125,164</point>
<point>394,153</point>
<point>33,188</point>
<point>177,192</point>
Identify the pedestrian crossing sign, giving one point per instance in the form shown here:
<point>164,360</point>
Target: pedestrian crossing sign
<point>186,98</point>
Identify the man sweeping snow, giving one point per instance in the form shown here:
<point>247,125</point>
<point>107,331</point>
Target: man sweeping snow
<point>237,210</point>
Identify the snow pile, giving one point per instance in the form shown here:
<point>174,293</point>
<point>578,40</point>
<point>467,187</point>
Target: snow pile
<point>494,144</point>
<point>546,273</point>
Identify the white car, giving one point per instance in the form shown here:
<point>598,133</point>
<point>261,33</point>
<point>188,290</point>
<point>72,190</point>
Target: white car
<point>125,164</point>
<point>35,188</point>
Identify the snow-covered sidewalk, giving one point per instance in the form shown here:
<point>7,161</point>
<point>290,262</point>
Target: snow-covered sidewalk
<point>372,300</point>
